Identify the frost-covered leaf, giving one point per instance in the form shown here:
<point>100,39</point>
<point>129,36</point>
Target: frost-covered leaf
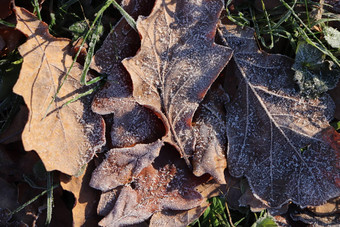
<point>167,184</point>
<point>177,63</point>
<point>68,137</point>
<point>209,155</point>
<point>332,36</point>
<point>123,164</point>
<point>280,141</point>
<point>132,123</point>
<point>313,73</point>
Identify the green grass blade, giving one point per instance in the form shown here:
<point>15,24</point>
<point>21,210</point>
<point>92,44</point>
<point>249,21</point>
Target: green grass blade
<point>7,23</point>
<point>32,200</point>
<point>320,45</point>
<point>99,14</point>
<point>49,198</point>
<point>127,17</point>
<point>90,53</point>
<point>37,9</point>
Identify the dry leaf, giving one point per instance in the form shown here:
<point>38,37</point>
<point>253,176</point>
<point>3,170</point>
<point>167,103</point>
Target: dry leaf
<point>281,142</point>
<point>132,123</point>
<point>177,63</point>
<point>167,184</point>
<point>171,218</point>
<point>70,135</point>
<point>209,155</point>
<point>86,198</point>
<point>123,164</point>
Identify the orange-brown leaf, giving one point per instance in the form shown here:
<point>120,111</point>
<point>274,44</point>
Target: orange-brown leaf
<point>68,137</point>
<point>86,198</point>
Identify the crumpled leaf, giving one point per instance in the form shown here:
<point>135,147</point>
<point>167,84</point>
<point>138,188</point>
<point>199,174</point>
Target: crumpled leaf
<point>132,123</point>
<point>332,36</point>
<point>281,142</point>
<point>177,63</point>
<point>209,155</point>
<point>167,184</point>
<point>313,73</point>
<point>68,137</point>
<point>123,164</point>
<point>86,198</point>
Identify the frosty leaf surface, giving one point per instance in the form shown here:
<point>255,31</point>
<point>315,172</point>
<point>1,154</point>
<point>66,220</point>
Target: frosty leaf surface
<point>210,129</point>
<point>131,123</point>
<point>280,141</point>
<point>313,73</point>
<point>332,36</point>
<point>123,164</point>
<point>177,63</point>
<point>68,137</point>
<point>167,184</point>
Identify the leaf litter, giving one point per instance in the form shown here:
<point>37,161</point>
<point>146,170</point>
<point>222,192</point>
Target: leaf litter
<point>159,107</point>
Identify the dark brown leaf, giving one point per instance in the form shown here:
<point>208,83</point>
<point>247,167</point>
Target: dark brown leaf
<point>281,142</point>
<point>177,63</point>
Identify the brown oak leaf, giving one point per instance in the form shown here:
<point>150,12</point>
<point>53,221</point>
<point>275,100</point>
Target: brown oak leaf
<point>86,198</point>
<point>172,218</point>
<point>132,123</point>
<point>177,63</point>
<point>123,164</point>
<point>167,184</point>
<point>68,136</point>
<point>209,124</point>
<point>281,142</point>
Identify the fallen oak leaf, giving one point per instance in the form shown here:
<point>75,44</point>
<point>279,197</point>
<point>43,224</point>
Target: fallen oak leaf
<point>132,123</point>
<point>210,130</point>
<point>278,140</point>
<point>84,211</point>
<point>176,64</point>
<point>123,164</point>
<point>172,218</point>
<point>68,137</point>
<point>167,184</point>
